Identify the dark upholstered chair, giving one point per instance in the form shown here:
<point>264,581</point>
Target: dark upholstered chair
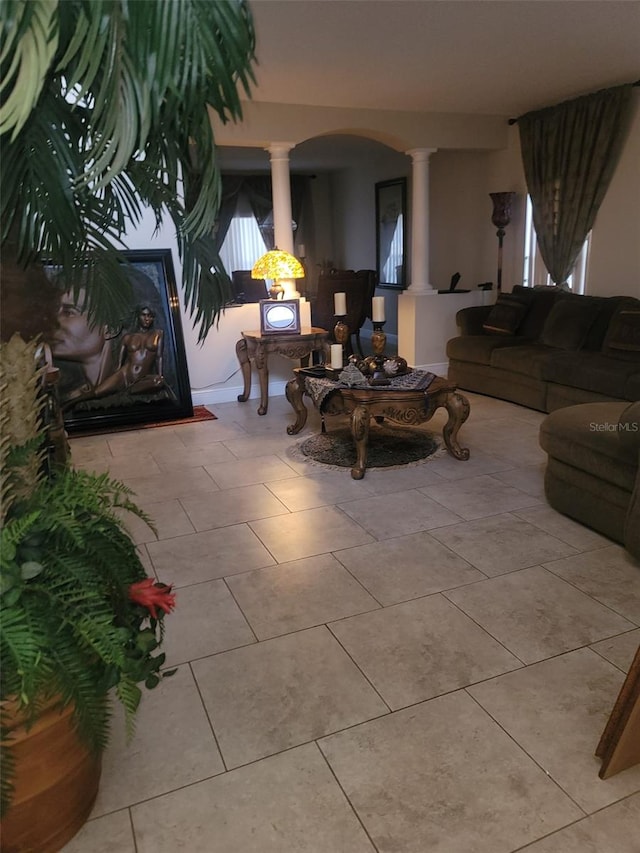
<point>247,289</point>
<point>359,288</point>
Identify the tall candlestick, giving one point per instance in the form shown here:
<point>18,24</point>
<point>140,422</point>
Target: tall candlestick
<point>336,356</point>
<point>340,304</point>
<point>377,310</point>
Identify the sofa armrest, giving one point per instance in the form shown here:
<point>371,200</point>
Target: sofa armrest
<point>629,431</point>
<point>470,319</point>
<point>629,435</point>
<point>632,521</point>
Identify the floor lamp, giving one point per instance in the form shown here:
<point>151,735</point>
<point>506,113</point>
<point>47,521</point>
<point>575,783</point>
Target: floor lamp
<point>501,217</point>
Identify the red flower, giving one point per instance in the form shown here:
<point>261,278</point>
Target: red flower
<point>151,594</point>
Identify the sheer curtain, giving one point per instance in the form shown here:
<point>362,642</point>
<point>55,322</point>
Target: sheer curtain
<point>243,243</point>
<point>569,153</point>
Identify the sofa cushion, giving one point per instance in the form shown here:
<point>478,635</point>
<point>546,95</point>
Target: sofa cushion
<point>528,359</point>
<point>608,307</point>
<point>590,371</point>
<point>568,323</point>
<point>506,315</point>
<point>586,437</point>
<point>470,319</point>
<point>541,300</point>
<point>632,387</point>
<point>623,335</point>
<point>477,348</point>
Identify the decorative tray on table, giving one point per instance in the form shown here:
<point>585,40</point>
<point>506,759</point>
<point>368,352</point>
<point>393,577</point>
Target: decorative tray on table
<point>351,376</point>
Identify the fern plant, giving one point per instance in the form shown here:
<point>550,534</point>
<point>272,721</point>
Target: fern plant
<point>78,617</point>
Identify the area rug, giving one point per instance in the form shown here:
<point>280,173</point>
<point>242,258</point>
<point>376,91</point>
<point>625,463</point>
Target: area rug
<point>200,413</point>
<point>387,448</point>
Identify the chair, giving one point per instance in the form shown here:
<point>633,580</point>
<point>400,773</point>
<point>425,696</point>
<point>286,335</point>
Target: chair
<point>359,288</point>
<point>247,289</point>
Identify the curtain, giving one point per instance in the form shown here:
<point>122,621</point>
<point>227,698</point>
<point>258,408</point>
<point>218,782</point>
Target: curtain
<point>258,191</point>
<point>231,188</point>
<point>569,153</point>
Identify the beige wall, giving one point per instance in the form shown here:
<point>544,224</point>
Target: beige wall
<point>462,237</point>
<point>614,261</point>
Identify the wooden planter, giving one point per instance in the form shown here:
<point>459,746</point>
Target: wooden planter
<point>56,784</point>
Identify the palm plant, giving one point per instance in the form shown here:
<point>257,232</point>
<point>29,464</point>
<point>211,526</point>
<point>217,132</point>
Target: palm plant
<point>105,110</point>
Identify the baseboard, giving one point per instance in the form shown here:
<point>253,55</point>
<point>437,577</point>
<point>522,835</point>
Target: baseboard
<point>438,369</point>
<point>208,396</point>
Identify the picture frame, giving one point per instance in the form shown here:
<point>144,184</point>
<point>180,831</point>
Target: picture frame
<point>280,317</point>
<point>134,373</point>
<point>391,233</point>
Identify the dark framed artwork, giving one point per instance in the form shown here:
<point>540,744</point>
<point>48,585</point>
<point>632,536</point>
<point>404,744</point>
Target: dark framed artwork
<point>280,317</point>
<point>130,374</point>
<point>391,232</point>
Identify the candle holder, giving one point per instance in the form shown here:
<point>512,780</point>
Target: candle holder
<point>378,345</point>
<point>341,331</point>
<point>501,217</point>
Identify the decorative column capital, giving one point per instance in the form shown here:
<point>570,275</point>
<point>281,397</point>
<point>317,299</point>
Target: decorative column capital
<point>420,154</point>
<point>280,150</point>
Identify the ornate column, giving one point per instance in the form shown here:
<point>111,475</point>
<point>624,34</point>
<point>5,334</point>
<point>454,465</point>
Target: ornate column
<point>281,190</point>
<point>420,221</point>
<point>282,217</point>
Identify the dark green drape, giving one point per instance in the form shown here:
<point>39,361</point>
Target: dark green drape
<point>569,153</point>
<point>257,188</point>
<point>231,188</point>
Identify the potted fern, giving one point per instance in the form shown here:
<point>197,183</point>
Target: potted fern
<point>79,619</point>
<point>104,113</point>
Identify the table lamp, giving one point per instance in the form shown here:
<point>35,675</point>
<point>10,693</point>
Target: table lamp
<point>282,268</point>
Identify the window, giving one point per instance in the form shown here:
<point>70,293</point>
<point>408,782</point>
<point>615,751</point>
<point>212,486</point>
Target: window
<point>392,270</point>
<point>243,243</point>
<point>535,273</point>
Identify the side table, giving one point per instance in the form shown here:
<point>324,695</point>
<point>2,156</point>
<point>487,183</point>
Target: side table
<point>256,347</point>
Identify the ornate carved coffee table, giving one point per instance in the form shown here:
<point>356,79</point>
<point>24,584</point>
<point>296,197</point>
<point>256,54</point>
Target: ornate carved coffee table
<point>257,347</point>
<point>405,407</point>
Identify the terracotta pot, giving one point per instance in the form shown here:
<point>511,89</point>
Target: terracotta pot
<point>56,783</point>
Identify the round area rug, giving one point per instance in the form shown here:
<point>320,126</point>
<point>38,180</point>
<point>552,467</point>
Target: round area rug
<point>387,447</point>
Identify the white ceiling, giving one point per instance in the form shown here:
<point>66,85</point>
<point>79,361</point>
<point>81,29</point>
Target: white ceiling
<point>491,57</point>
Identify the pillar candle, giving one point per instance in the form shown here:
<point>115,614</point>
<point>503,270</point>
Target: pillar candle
<point>377,312</point>
<point>340,304</point>
<point>336,356</point>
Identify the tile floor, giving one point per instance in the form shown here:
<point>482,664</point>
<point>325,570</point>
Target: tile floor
<point>420,661</point>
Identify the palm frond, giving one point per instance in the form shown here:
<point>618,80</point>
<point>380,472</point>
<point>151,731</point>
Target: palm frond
<point>29,40</point>
<point>111,116</point>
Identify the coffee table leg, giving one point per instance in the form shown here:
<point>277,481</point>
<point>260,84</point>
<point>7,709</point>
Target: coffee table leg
<point>458,408</point>
<point>294,391</point>
<point>360,433</point>
<point>245,365</point>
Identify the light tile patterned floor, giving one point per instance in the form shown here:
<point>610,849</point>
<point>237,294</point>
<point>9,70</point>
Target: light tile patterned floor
<point>420,661</point>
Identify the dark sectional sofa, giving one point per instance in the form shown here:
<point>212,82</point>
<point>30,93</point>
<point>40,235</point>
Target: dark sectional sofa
<point>592,472</point>
<point>545,348</point>
<point>550,350</point>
